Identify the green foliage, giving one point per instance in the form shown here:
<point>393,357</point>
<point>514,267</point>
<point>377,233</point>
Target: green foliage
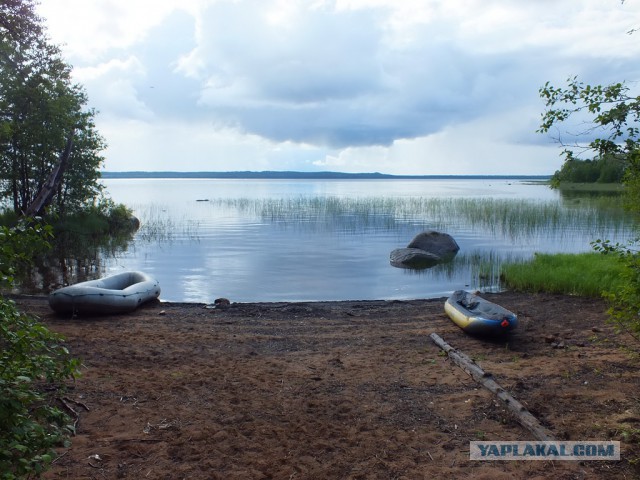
<point>31,358</point>
<point>18,246</point>
<point>587,274</point>
<point>614,131</point>
<point>632,182</point>
<point>603,170</point>
<point>119,217</point>
<point>39,108</point>
<point>103,218</point>
<point>624,299</point>
<point>614,113</point>
<point>33,366</point>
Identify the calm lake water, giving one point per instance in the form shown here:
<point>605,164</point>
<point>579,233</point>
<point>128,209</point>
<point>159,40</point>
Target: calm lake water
<point>304,240</point>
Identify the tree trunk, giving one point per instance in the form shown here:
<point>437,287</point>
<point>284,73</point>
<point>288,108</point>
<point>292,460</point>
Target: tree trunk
<point>522,415</point>
<point>48,190</point>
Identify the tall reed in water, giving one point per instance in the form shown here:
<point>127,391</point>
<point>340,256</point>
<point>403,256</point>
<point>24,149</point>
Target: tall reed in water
<point>513,219</point>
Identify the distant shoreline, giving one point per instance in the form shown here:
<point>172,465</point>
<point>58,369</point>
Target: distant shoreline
<point>314,176</point>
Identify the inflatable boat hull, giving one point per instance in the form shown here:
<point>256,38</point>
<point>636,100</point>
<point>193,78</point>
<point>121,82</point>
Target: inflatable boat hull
<point>119,293</point>
<point>478,316</point>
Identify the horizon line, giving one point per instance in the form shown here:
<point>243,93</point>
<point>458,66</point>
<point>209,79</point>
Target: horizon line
<point>284,174</point>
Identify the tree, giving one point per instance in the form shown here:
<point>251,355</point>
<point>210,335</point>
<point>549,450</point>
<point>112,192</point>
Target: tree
<point>614,133</point>
<point>39,108</point>
<point>612,114</point>
<point>601,170</point>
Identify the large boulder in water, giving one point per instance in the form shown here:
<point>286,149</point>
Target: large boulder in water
<point>413,258</point>
<point>439,244</point>
<point>426,250</point>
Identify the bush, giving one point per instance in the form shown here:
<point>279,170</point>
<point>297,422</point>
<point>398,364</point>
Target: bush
<point>121,218</point>
<point>104,218</point>
<point>624,301</point>
<point>32,358</point>
<point>33,366</point>
<point>19,245</point>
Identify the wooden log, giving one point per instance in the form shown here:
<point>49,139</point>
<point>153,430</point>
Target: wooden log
<point>522,415</point>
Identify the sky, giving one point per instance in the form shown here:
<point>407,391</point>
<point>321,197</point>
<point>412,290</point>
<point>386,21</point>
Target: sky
<point>413,87</point>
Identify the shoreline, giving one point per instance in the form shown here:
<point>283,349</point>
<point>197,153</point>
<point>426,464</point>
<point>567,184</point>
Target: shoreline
<point>348,389</point>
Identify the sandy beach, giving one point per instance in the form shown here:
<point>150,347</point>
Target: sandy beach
<point>338,390</point>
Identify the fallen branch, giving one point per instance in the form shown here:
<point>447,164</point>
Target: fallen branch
<point>141,440</point>
<point>80,404</point>
<point>76,416</point>
<point>522,415</point>
<point>59,457</point>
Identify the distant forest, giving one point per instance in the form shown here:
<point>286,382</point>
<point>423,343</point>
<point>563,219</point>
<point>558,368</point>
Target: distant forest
<point>310,175</point>
<point>605,169</point>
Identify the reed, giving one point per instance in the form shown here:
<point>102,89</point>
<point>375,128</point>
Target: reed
<point>159,224</point>
<point>513,219</point>
<point>508,222</point>
<point>156,225</point>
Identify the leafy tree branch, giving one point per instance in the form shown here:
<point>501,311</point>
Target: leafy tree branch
<point>614,113</point>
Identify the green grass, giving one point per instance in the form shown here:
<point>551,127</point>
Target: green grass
<point>585,274</point>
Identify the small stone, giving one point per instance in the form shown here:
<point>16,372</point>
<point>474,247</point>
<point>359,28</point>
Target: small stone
<point>549,338</point>
<point>162,312</point>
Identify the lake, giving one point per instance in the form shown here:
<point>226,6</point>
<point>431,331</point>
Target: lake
<point>311,240</point>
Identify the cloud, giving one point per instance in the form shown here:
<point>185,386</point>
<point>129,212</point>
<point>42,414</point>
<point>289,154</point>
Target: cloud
<point>481,146</point>
<point>336,77</point>
<point>112,85</point>
<point>305,76</point>
<point>92,30</point>
<point>354,84</point>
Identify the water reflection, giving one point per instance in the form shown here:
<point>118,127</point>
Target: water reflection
<point>330,240</point>
<point>73,258</point>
